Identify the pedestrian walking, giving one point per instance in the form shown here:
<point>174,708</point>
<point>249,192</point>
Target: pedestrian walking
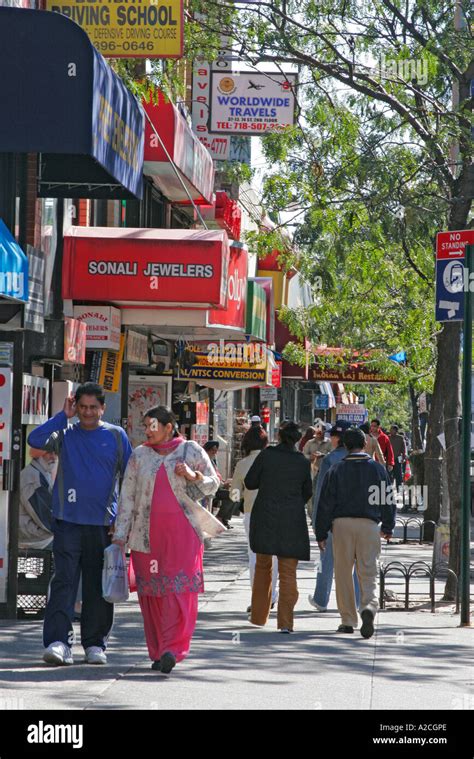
<point>315,450</point>
<point>399,448</point>
<point>356,497</point>
<point>278,525</point>
<point>324,577</point>
<point>255,441</point>
<point>160,519</point>
<point>92,456</point>
<point>372,446</point>
<point>383,440</point>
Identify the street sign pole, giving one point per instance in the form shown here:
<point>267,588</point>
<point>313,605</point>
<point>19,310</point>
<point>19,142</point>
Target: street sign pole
<point>466,445</point>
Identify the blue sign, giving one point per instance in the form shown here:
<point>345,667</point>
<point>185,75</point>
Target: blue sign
<point>13,267</point>
<point>321,401</point>
<point>450,290</point>
<point>399,358</point>
<point>352,418</point>
<point>73,109</point>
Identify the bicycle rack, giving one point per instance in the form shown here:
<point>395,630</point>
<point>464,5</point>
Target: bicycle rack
<point>418,522</point>
<point>416,569</point>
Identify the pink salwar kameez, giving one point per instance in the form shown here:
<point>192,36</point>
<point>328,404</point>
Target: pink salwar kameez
<point>170,577</point>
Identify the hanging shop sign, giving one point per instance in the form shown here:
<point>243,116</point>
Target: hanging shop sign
<point>236,312</point>
<point>229,361</point>
<point>355,413</point>
<point>103,325</point>
<point>251,103</point>
<point>74,341</point>
<point>217,145</point>
<point>111,368</point>
<point>148,29</point>
<point>35,400</point>
<point>256,322</point>
<point>13,267</point>
<point>185,267</point>
<point>137,348</point>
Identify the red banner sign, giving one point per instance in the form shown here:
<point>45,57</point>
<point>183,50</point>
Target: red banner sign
<point>186,267</point>
<point>235,313</point>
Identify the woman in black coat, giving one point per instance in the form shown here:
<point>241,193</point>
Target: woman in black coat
<point>278,525</point>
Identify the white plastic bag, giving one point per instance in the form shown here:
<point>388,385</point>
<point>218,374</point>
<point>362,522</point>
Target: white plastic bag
<point>114,575</point>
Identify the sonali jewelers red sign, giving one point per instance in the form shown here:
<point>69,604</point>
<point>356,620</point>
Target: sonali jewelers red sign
<point>184,267</point>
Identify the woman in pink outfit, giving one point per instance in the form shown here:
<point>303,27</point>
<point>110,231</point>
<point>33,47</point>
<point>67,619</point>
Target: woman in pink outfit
<point>160,519</point>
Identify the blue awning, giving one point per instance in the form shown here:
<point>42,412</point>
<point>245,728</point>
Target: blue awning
<point>13,267</point>
<point>59,98</point>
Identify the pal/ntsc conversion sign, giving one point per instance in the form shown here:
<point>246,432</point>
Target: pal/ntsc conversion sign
<point>128,28</point>
<point>250,104</point>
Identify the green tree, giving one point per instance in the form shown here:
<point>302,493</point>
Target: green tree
<point>381,73</point>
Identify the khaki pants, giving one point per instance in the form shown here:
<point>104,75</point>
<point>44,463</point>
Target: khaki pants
<point>355,540</point>
<point>262,591</point>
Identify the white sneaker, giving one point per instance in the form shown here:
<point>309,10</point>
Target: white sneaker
<point>95,655</point>
<point>315,605</point>
<point>58,653</point>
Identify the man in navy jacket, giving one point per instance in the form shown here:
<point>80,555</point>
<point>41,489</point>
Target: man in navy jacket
<point>356,497</point>
<point>92,459</point>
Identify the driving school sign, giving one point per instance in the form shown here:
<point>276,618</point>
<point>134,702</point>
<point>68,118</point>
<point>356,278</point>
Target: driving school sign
<point>124,29</point>
<point>249,103</point>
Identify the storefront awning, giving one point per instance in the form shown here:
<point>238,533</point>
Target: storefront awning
<point>13,267</point>
<point>183,268</point>
<point>61,99</point>
<point>193,161</point>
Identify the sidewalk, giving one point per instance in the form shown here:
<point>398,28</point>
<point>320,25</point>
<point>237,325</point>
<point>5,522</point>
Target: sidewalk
<point>416,660</point>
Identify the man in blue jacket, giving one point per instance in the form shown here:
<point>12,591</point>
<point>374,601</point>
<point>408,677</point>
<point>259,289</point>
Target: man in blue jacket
<point>92,459</point>
<point>356,497</point>
<point>322,592</point>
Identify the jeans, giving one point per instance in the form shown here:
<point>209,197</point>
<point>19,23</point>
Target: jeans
<point>78,548</point>
<point>324,576</point>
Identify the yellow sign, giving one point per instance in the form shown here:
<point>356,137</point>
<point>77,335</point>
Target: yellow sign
<point>111,368</point>
<point>128,28</point>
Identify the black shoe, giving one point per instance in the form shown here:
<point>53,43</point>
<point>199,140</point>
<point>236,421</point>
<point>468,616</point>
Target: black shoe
<point>345,629</point>
<point>367,629</point>
<point>167,661</point>
<point>156,665</point>
<point>249,609</point>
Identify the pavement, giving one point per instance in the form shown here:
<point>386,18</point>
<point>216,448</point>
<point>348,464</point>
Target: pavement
<point>415,660</point>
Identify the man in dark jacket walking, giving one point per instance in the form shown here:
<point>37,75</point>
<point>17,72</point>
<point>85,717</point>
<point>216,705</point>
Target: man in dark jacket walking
<point>356,496</point>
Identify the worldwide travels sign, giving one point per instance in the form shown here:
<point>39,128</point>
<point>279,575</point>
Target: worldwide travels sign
<point>250,104</point>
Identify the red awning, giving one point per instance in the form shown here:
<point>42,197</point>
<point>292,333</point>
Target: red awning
<point>192,159</point>
<point>184,267</point>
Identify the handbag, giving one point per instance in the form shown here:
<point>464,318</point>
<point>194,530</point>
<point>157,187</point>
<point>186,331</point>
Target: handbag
<point>114,575</point>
